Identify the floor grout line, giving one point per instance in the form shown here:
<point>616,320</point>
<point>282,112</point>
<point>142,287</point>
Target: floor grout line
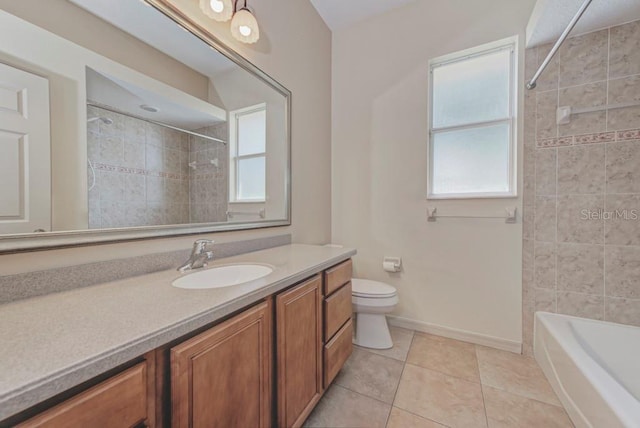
<point>422,417</point>
<point>369,351</point>
<point>484,401</point>
<point>404,364</point>
<point>517,394</point>
<point>362,395</point>
<point>445,374</point>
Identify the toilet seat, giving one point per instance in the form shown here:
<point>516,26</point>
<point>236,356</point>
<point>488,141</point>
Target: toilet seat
<point>369,289</point>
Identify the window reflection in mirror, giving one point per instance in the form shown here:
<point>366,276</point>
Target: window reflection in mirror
<point>248,154</point>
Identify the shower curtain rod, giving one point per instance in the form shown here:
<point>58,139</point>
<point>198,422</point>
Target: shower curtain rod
<point>175,128</point>
<point>532,83</point>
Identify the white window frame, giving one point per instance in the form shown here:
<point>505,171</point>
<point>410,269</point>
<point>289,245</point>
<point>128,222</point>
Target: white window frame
<point>509,43</point>
<point>234,158</point>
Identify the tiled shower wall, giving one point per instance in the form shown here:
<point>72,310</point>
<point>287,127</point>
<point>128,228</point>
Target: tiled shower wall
<point>581,252</point>
<point>142,174</point>
<point>209,185</point>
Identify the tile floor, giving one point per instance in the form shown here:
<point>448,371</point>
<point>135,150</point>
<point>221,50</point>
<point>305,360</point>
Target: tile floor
<point>428,381</point>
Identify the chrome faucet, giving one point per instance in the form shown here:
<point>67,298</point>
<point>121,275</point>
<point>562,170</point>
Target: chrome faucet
<point>199,256</point>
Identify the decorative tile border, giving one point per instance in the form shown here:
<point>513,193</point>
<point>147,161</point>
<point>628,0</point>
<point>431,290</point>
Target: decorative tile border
<point>600,137</point>
<point>554,142</point>
<point>604,137</point>
<point>136,171</point>
<point>212,176</point>
<point>631,134</point>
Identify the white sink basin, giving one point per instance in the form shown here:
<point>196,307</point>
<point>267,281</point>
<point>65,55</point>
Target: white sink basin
<point>223,276</point>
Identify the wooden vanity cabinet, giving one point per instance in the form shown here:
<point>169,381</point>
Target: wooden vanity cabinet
<point>242,372</point>
<point>299,351</point>
<point>223,377</point>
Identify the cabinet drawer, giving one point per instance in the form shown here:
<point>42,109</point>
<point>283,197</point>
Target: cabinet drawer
<point>337,310</point>
<point>337,351</point>
<point>337,276</point>
<point>120,401</point>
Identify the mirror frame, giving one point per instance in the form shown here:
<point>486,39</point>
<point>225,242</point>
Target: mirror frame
<point>33,242</point>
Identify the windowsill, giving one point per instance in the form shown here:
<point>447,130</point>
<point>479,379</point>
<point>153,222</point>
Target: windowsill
<point>248,202</point>
<point>472,196</point>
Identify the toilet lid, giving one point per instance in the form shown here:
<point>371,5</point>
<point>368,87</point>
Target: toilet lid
<point>369,288</point>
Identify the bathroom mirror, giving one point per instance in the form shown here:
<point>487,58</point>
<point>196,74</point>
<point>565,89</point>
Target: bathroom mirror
<point>124,120</point>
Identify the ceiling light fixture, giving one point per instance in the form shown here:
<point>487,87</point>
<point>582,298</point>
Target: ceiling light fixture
<point>218,10</point>
<point>244,25</point>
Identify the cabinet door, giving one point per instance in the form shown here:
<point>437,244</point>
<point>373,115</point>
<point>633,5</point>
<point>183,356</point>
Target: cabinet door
<point>299,351</point>
<point>222,377</point>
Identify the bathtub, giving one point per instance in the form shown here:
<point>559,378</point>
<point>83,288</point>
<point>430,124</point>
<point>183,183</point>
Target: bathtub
<point>593,366</point>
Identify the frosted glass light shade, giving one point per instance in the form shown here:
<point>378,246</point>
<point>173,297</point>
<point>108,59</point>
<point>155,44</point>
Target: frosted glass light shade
<point>244,27</point>
<point>218,10</point>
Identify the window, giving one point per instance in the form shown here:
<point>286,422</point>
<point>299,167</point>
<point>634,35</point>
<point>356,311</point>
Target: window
<point>472,124</point>
<point>248,138</point>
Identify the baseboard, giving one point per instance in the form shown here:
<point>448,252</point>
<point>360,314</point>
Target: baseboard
<point>453,333</point>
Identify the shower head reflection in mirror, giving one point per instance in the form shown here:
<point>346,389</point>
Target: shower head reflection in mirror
<point>104,120</point>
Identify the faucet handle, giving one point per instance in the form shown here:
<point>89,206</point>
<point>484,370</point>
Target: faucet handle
<point>200,245</point>
<point>204,241</point>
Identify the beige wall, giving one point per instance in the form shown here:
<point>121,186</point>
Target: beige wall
<point>460,274</point>
<point>575,266</point>
<point>302,64</point>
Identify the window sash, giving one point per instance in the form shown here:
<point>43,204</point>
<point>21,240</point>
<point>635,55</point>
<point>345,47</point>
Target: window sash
<point>473,125</point>
<point>236,161</point>
<point>510,120</point>
<point>455,59</point>
<point>235,158</point>
<point>475,195</point>
<point>237,174</point>
<point>238,116</point>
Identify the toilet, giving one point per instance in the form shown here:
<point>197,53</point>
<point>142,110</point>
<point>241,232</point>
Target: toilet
<point>371,301</point>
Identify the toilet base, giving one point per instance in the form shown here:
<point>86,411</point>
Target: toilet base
<point>372,331</point>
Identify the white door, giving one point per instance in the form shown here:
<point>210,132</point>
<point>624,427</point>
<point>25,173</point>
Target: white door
<point>25,152</point>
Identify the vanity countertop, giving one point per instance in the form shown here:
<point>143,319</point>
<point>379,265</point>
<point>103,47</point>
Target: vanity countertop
<point>55,342</point>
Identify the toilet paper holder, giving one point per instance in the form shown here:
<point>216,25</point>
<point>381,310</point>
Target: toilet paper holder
<point>392,264</point>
